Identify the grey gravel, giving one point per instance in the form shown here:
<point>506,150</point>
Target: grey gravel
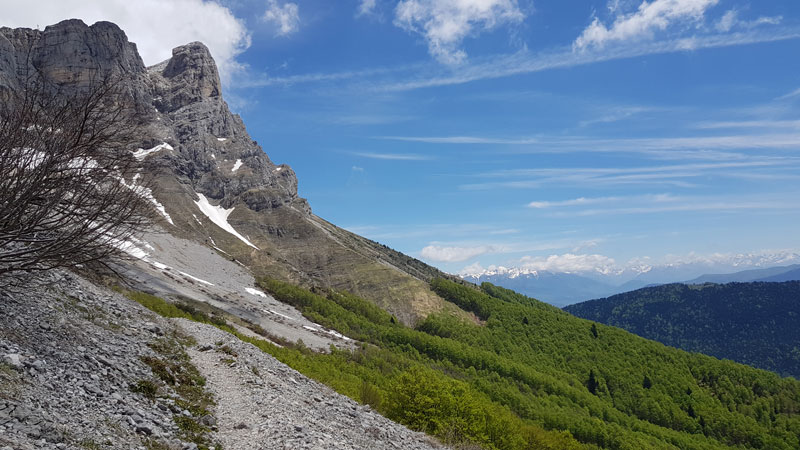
<point>71,350</point>
<point>279,408</point>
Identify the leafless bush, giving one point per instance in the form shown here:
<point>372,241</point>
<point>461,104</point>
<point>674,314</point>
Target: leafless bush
<point>71,191</point>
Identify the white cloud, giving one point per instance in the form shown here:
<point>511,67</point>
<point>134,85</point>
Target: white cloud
<point>570,263</point>
<point>156,26</point>
<point>446,23</point>
<point>727,21</point>
<point>366,7</point>
<point>456,254</point>
<point>649,17</point>
<point>285,17</point>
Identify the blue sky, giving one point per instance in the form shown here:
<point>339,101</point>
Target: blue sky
<point>552,135</point>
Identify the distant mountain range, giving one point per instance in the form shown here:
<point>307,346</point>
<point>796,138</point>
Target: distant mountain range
<point>561,289</point>
<point>751,323</point>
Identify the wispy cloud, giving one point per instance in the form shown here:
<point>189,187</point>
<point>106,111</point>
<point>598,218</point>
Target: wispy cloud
<point>265,80</point>
<point>793,94</point>
<point>426,75</point>
<point>717,206</point>
<point>615,115</point>
<point>731,20</point>
<point>751,124</point>
<point>677,175</point>
<point>524,62</point>
<point>665,203</point>
<point>656,145</point>
<point>584,201</point>
<point>459,140</point>
<point>394,156</point>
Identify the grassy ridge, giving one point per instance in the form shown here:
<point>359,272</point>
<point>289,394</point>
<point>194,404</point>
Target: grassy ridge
<point>536,377</point>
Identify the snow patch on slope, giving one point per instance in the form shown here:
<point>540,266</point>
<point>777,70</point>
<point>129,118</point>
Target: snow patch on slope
<point>255,292</point>
<point>237,165</point>
<point>219,216</point>
<point>147,194</point>
<point>195,278</point>
<point>142,153</point>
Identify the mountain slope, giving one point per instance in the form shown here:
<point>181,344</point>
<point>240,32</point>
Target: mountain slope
<point>791,275</point>
<point>216,185</point>
<point>597,385</point>
<point>752,323</point>
<point>482,367</point>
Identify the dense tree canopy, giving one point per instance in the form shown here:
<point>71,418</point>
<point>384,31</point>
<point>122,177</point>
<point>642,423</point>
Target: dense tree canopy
<point>543,376</point>
<point>751,323</point>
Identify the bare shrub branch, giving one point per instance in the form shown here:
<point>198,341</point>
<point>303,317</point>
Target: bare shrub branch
<point>71,191</point>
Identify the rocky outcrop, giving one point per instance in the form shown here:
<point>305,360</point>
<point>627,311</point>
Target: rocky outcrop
<point>210,140</point>
<point>180,99</point>
<point>71,55</point>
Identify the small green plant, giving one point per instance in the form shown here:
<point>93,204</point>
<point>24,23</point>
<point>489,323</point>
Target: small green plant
<point>228,350</point>
<point>145,387</point>
<point>370,395</point>
<point>89,444</point>
<point>228,361</point>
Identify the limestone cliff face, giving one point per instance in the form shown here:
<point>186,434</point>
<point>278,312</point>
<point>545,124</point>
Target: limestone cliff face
<point>210,153</point>
<point>181,99</point>
<point>212,148</point>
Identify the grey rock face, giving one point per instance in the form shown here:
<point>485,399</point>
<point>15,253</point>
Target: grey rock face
<point>71,55</point>
<point>180,99</point>
<point>210,139</point>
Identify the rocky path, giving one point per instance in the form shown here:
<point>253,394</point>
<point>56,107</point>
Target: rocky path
<point>263,404</point>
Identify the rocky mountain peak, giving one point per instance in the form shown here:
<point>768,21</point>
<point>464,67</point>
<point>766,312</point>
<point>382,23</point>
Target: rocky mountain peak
<point>192,75</point>
<point>71,52</point>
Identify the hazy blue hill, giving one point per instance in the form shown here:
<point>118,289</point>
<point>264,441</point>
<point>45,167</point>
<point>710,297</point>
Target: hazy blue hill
<point>792,275</point>
<point>752,323</point>
<point>782,273</point>
<point>558,289</point>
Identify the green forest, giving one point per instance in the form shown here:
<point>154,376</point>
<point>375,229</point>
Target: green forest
<point>532,376</point>
<point>751,323</point>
